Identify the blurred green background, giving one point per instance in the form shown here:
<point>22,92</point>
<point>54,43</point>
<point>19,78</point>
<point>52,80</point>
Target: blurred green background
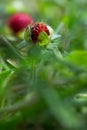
<point>63,105</point>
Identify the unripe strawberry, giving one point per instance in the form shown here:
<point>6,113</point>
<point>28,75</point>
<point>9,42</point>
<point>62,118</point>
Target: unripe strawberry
<point>19,21</point>
<point>38,33</point>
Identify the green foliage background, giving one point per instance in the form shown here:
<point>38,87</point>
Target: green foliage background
<point>41,88</point>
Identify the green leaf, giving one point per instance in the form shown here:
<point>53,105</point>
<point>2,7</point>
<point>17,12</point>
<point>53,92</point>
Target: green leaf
<point>78,58</point>
<point>62,113</point>
<point>55,36</point>
<point>3,76</point>
<point>22,44</point>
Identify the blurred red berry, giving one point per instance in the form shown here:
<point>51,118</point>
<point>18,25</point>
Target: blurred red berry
<point>36,29</point>
<point>19,21</point>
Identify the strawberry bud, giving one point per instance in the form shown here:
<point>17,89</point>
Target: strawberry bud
<point>19,21</point>
<point>38,33</point>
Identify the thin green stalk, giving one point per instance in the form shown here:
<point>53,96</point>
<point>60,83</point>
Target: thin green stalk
<point>29,101</point>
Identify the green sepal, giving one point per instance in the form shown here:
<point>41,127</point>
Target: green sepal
<point>27,34</point>
<point>43,38</point>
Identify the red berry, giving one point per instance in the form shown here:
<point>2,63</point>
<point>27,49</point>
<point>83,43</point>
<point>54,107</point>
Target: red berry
<point>19,21</point>
<point>36,29</point>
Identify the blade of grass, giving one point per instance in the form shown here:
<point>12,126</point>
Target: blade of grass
<point>63,113</point>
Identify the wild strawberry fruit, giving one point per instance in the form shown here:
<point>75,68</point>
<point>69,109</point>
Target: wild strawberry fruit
<point>38,33</point>
<point>19,21</point>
